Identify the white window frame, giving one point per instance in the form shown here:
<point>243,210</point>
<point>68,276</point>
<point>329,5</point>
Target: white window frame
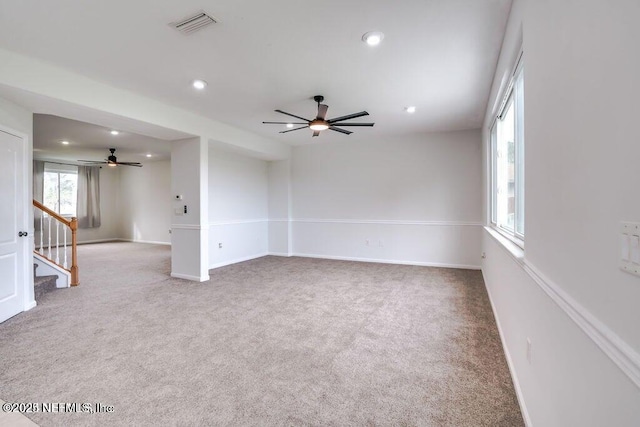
<point>507,100</point>
<point>59,168</point>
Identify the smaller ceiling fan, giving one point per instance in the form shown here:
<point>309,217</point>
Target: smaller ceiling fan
<point>320,123</point>
<point>112,161</point>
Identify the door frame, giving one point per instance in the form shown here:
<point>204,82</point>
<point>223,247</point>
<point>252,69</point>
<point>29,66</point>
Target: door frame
<point>26,221</point>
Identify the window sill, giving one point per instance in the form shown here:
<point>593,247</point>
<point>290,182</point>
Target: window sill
<point>515,250</point>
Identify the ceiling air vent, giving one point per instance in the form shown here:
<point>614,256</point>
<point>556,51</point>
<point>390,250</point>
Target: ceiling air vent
<point>193,23</point>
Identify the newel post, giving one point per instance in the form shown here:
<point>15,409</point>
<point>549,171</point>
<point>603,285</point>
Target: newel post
<point>75,280</point>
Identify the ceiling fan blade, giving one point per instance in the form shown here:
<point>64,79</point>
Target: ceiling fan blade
<point>137,164</point>
<point>284,123</point>
<point>93,161</point>
<point>292,115</point>
<point>346,132</point>
<point>353,124</point>
<point>291,130</point>
<point>316,133</point>
<point>322,111</point>
<point>348,117</point>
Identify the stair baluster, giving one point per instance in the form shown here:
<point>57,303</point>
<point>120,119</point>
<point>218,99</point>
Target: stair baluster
<point>41,234</point>
<point>71,224</point>
<point>57,242</point>
<point>49,232</point>
<point>64,233</point>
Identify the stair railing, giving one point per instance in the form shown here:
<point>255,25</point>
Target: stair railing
<point>51,224</point>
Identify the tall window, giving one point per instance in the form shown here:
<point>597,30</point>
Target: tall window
<point>507,155</point>
<point>61,188</point>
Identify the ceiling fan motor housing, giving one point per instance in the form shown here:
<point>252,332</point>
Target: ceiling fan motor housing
<point>320,123</point>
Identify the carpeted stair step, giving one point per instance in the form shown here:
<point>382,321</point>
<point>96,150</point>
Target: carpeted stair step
<point>43,285</point>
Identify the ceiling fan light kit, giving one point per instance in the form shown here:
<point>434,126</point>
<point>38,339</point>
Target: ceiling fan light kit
<point>320,123</point>
<point>373,38</point>
<point>112,161</point>
<point>199,84</point>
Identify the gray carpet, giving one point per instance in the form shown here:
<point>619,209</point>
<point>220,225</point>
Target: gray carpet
<point>273,341</point>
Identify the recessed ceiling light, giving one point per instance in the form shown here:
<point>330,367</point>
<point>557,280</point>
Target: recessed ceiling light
<point>410,109</point>
<point>115,132</point>
<point>289,125</point>
<point>373,38</point>
<point>199,84</point>
<point>148,155</point>
<point>64,142</point>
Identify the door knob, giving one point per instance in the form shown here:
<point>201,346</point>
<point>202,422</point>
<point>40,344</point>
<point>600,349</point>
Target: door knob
<point>23,234</point>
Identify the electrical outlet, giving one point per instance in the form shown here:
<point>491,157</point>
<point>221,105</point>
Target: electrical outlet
<point>219,245</point>
<point>529,350</point>
<point>483,256</point>
<point>185,208</point>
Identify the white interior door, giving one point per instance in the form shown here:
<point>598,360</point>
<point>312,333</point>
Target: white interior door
<point>12,222</point>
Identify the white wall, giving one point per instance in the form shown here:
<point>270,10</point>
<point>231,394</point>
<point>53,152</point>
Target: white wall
<point>415,199</point>
<point>189,230</point>
<point>135,205</point>
<point>565,292</point>
<point>279,203</point>
<point>238,207</point>
<point>109,209</point>
<point>15,117</point>
<point>146,203</point>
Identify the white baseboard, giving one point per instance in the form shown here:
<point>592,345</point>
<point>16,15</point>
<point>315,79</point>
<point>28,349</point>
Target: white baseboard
<point>29,305</point>
<point>237,260</point>
<point>118,239</point>
<point>280,254</point>
<point>150,242</point>
<point>190,277</point>
<point>507,354</point>
<point>342,258</point>
<point>86,242</point>
<point>390,261</point>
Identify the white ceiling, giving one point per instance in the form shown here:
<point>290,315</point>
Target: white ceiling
<point>92,142</point>
<point>438,55</point>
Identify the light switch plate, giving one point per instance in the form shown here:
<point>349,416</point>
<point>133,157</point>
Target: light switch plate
<point>630,247</point>
<point>634,249</point>
<point>625,248</point>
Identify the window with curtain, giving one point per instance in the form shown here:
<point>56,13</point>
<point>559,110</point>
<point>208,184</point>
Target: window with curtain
<point>60,187</point>
<point>88,206</point>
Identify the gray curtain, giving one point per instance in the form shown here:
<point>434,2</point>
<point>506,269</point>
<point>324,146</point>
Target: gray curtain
<point>88,196</point>
<point>38,190</point>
